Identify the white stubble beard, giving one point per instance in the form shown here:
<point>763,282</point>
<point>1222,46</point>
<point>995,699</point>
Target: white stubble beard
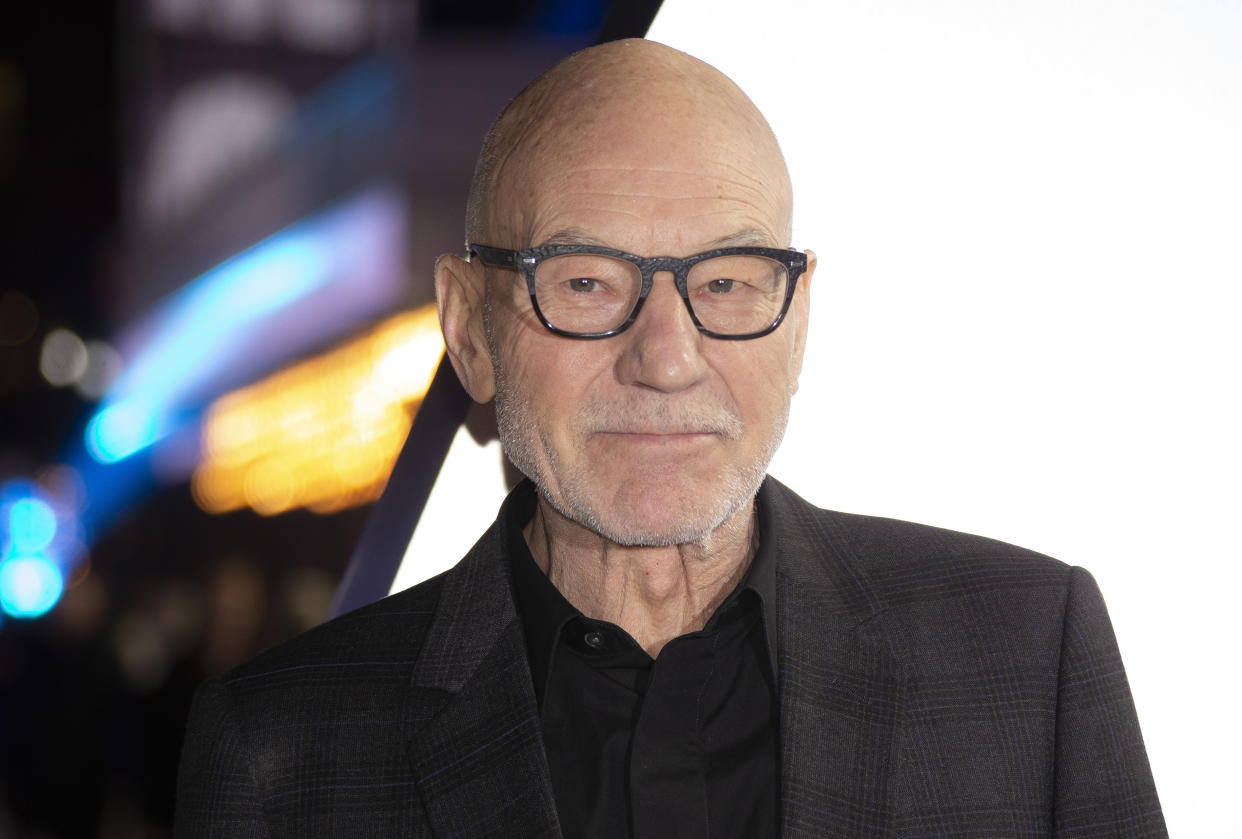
<point>524,441</point>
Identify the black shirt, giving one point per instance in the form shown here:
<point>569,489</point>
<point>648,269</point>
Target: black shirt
<point>683,745</point>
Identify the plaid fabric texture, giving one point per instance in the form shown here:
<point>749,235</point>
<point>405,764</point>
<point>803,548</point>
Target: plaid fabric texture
<point>932,684</point>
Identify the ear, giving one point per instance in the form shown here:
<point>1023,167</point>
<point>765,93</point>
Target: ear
<point>801,310</point>
<point>460,292</point>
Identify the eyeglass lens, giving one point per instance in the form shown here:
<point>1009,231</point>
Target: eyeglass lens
<point>730,295</point>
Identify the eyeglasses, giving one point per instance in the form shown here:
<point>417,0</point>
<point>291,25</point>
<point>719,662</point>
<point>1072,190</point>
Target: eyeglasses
<point>583,291</point>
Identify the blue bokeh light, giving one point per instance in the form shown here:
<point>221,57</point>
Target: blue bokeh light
<point>29,585</point>
<point>195,329</point>
<point>119,430</point>
<point>32,525</point>
<point>195,337</point>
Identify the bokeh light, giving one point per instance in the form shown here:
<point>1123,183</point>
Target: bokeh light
<point>32,525</point>
<point>63,358</point>
<point>258,308</point>
<point>324,433</point>
<point>29,585</point>
<point>37,534</point>
<point>119,430</point>
<point>103,366</point>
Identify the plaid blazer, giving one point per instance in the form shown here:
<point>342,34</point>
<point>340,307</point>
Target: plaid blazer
<point>931,683</point>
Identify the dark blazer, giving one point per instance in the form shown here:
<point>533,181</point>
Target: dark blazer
<point>932,684</point>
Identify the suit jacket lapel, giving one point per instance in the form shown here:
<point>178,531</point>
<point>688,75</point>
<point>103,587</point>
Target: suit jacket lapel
<point>840,689</point>
<point>475,746</point>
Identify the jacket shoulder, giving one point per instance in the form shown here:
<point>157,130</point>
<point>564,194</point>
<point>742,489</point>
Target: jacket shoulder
<point>889,563</point>
<point>387,632</point>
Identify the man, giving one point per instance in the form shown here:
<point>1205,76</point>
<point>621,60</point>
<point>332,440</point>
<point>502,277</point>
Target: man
<point>654,639</point>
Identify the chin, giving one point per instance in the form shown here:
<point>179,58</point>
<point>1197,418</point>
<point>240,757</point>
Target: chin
<point>658,513</point>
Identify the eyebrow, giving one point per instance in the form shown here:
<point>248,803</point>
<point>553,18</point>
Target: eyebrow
<point>574,236</point>
<point>751,236</point>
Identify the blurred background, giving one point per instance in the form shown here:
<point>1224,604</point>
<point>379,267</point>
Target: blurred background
<point>220,414</point>
<point>216,237</point>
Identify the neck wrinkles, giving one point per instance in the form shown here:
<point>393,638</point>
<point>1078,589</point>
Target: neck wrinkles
<point>653,593</point>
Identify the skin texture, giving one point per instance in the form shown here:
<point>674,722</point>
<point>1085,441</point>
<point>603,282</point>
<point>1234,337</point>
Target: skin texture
<point>647,447</point>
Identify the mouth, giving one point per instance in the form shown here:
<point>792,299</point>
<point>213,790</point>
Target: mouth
<point>661,437</point>
<point>662,424</point>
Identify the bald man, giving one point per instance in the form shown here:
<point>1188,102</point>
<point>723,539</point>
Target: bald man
<point>654,639</point>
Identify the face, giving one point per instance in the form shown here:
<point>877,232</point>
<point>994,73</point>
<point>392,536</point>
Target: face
<point>657,435</point>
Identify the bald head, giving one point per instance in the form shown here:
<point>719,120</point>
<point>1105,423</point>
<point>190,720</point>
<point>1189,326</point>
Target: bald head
<point>658,434</point>
<point>619,102</point>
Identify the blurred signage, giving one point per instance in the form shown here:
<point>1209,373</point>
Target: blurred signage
<point>324,433</point>
<point>216,89</point>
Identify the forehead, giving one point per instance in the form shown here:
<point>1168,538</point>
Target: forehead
<point>673,160</point>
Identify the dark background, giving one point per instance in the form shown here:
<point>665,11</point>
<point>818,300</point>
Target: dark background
<point>93,695</point>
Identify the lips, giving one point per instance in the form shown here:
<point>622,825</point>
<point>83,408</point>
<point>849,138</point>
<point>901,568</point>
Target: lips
<point>662,432</point>
<point>662,422</point>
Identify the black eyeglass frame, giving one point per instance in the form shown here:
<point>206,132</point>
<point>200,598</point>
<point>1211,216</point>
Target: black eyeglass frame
<point>528,260</point>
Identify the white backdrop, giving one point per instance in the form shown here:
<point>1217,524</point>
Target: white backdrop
<point>1028,217</point>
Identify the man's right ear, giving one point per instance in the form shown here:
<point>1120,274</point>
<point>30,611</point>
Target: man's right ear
<point>460,293</point>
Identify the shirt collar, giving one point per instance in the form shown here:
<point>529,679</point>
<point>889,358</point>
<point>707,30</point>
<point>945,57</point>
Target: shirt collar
<point>545,611</point>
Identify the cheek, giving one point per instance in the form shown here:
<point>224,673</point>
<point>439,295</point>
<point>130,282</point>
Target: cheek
<point>553,376</point>
<point>760,383</point>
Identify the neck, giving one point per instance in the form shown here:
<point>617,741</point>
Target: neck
<point>653,593</point>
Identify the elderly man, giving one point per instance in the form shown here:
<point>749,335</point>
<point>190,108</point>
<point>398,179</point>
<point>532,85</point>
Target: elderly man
<point>654,639</point>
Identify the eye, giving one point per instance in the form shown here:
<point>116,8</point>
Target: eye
<point>721,286</point>
<point>582,284</point>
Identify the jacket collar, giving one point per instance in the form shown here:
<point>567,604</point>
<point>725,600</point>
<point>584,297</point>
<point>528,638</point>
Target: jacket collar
<point>475,747</point>
<point>840,687</point>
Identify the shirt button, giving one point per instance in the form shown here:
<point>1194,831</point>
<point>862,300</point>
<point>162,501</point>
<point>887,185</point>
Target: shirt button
<point>594,640</point>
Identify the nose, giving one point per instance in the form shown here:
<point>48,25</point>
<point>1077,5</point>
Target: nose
<point>662,349</point>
